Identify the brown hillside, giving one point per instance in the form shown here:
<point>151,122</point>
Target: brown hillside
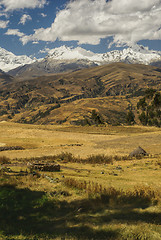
<point>110,90</point>
<point>5,78</point>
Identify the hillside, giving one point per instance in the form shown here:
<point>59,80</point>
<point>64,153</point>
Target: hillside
<point>47,66</point>
<point>5,78</point>
<point>96,95</point>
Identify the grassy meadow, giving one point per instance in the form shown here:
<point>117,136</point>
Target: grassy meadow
<point>99,193</point>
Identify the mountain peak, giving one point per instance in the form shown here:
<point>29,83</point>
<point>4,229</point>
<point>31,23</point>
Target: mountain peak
<point>65,52</point>
<point>10,61</point>
<point>134,54</point>
<point>66,58</point>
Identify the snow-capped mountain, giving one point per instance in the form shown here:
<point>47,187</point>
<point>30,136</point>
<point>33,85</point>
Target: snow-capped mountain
<point>65,59</point>
<point>10,61</point>
<point>134,54</point>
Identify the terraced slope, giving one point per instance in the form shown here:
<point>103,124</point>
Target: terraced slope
<point>90,96</point>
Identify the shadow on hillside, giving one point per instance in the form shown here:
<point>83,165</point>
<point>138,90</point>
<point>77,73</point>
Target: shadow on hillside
<point>31,213</point>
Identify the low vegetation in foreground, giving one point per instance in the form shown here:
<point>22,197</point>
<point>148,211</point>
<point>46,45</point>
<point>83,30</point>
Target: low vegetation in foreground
<point>116,198</point>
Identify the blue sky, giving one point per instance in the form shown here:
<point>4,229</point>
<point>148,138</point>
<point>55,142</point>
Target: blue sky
<point>32,27</point>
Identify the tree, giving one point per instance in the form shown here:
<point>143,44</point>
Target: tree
<point>142,104</point>
<point>143,118</point>
<point>157,100</point>
<point>130,118</point>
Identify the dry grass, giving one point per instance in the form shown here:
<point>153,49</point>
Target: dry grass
<point>85,141</point>
<point>140,195</point>
<point>94,196</point>
<point>4,160</point>
<point>85,202</point>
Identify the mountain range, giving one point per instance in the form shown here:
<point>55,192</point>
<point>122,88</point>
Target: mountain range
<point>98,94</point>
<point>76,86</point>
<point>65,58</point>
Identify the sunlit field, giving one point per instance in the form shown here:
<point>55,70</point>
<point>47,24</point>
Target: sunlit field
<point>99,193</point>
<point>47,140</point>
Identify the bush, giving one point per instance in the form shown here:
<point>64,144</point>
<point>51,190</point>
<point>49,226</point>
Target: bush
<point>130,118</point>
<point>143,118</point>
<point>150,93</point>
<point>142,104</point>
<point>4,160</point>
<point>151,113</point>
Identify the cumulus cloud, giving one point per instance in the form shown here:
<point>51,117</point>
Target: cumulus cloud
<point>3,24</point>
<point>25,18</point>
<point>14,32</point>
<point>88,21</point>
<point>11,5</point>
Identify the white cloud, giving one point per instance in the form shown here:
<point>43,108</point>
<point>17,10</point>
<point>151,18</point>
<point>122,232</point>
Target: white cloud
<point>43,15</point>
<point>35,42</point>
<point>2,14</point>
<point>14,32</point>
<point>3,24</point>
<point>87,21</point>
<point>131,6</point>
<point>11,5</point>
<point>25,18</point>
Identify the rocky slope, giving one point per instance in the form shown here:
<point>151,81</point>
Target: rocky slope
<point>5,78</point>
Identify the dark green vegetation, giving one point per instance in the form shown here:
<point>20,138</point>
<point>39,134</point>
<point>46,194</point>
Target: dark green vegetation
<point>150,108</point>
<point>94,96</point>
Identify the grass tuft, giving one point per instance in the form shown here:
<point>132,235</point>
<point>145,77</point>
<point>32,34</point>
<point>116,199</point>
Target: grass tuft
<point>140,195</point>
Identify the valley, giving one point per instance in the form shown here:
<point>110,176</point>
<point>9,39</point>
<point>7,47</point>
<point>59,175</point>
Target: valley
<point>66,170</point>
<point>80,120</point>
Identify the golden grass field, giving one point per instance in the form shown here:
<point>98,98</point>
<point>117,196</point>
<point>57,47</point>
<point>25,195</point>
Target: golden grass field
<point>70,206</point>
<point>38,140</point>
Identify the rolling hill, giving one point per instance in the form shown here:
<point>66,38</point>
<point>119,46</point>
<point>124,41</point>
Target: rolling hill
<point>96,95</point>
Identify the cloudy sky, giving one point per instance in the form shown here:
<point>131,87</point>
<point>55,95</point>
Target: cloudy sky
<point>32,26</point>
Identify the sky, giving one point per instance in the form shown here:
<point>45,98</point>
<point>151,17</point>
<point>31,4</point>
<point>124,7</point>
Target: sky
<point>32,27</point>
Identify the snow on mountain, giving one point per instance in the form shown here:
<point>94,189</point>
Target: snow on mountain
<point>68,53</point>
<point>65,58</point>
<point>134,54</point>
<point>10,61</point>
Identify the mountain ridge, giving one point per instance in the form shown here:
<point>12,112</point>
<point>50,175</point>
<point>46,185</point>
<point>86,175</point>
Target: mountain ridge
<point>65,59</point>
<point>9,61</point>
<point>136,54</point>
<point>5,78</point>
